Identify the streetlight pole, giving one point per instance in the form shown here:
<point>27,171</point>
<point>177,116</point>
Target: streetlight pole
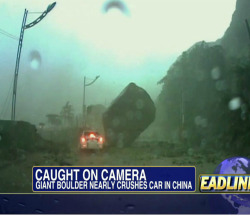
<point>19,49</point>
<point>84,107</point>
<point>84,98</point>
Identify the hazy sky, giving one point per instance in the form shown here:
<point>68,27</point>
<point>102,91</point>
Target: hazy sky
<point>77,39</point>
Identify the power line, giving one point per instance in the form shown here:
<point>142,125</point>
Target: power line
<point>8,97</point>
<point>3,32</point>
<point>35,12</point>
<point>8,33</point>
<point>10,36</point>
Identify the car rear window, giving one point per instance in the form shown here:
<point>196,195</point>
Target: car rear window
<point>89,132</point>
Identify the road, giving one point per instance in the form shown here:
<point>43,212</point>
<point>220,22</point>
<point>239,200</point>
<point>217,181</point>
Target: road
<point>16,167</point>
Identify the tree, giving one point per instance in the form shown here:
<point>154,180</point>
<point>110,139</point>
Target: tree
<point>54,119</point>
<point>67,113</point>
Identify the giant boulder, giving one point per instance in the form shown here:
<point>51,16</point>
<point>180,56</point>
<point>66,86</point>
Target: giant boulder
<point>128,116</point>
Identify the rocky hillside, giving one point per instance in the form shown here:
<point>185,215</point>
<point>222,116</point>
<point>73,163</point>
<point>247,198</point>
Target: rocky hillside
<point>206,93</point>
<point>236,40</point>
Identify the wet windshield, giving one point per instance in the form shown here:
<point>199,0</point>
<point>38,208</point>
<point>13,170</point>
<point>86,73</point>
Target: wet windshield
<point>161,82</point>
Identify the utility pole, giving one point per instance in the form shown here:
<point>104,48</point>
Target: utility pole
<point>84,98</point>
<point>84,106</point>
<point>19,49</point>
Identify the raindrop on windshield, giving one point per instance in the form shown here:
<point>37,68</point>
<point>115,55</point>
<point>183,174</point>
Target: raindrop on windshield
<point>184,134</point>
<point>56,201</point>
<point>115,122</point>
<point>243,116</point>
<point>5,199</point>
<point>215,73</point>
<point>139,104</point>
<point>220,85</point>
<point>197,120</point>
<point>203,122</point>
<point>234,103</point>
<point>21,204</point>
<point>244,108</point>
<point>120,140</point>
<point>138,115</point>
<point>130,115</point>
<point>130,207</point>
<point>110,133</point>
<point>117,5</point>
<point>35,60</point>
<point>203,143</point>
<point>38,211</point>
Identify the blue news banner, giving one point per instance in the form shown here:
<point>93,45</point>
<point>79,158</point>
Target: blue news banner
<point>114,179</point>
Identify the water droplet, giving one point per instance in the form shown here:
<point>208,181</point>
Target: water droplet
<point>116,122</point>
<point>203,122</point>
<point>120,140</point>
<point>200,75</point>
<point>130,115</point>
<point>21,204</point>
<point>138,115</point>
<point>93,155</point>
<point>243,116</point>
<point>215,73</point>
<point>35,60</point>
<point>38,211</point>
<point>119,6</point>
<point>56,201</point>
<point>119,144</point>
<point>190,151</point>
<point>234,103</point>
<point>184,134</point>
<point>203,143</point>
<point>197,120</point>
<point>34,64</point>
<point>220,85</point>
<point>244,108</point>
<point>130,207</point>
<point>139,104</point>
<point>110,133</point>
<point>5,199</point>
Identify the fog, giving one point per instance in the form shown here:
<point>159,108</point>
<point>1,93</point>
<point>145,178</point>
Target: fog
<point>77,38</point>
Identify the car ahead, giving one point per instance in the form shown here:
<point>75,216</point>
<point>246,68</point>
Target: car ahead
<point>91,140</point>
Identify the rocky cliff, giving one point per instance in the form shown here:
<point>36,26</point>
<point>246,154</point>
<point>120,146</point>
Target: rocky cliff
<point>236,38</point>
<point>206,93</point>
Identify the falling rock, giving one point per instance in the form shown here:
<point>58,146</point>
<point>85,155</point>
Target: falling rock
<point>128,116</point>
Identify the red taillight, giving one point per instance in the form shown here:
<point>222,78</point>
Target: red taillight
<point>83,139</point>
<point>92,135</point>
<point>101,140</point>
